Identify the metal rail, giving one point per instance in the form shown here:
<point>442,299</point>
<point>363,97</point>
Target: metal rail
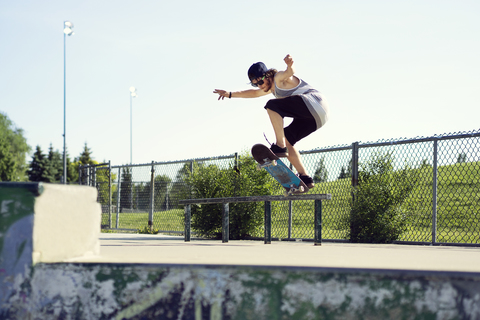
<point>268,213</point>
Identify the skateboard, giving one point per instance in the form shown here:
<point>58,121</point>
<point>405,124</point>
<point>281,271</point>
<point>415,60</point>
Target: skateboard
<point>277,169</point>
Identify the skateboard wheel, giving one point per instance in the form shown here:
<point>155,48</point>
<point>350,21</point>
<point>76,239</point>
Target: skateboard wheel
<point>274,162</point>
<point>259,167</point>
<point>301,189</point>
<point>286,193</point>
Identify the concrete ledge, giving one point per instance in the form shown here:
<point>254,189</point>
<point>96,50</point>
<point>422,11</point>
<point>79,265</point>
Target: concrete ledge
<point>66,223</point>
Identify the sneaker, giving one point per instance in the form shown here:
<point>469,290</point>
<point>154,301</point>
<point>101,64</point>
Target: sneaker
<point>307,180</point>
<point>279,152</point>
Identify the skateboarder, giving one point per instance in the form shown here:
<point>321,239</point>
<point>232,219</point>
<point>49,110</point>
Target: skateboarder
<point>294,99</point>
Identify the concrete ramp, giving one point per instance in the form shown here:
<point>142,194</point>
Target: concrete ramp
<point>51,268</point>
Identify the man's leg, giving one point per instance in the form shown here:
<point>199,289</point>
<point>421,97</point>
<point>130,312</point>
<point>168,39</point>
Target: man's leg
<point>277,123</point>
<point>296,160</point>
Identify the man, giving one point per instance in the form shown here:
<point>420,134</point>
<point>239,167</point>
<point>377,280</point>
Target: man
<point>294,99</point>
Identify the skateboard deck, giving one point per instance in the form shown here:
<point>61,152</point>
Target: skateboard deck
<point>278,170</point>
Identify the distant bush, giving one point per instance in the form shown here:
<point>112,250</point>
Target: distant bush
<point>209,181</point>
<point>377,211</point>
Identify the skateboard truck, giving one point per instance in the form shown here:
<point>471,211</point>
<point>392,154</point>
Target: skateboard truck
<point>294,189</point>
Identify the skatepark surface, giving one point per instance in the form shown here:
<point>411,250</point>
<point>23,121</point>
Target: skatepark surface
<point>162,249</point>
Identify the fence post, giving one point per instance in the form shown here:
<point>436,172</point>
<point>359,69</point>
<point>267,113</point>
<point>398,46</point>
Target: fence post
<point>190,187</point>
<point>290,214</point>
<point>268,222</point>
<point>119,184</point>
<point>237,171</point>
<point>434,191</point>
<point>354,172</point>
<point>318,222</point>
<point>94,176</point>
<point>152,198</point>
<point>225,223</point>
<point>354,164</point>
<point>109,194</point>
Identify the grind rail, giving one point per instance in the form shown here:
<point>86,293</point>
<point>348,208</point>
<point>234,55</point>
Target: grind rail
<point>268,212</point>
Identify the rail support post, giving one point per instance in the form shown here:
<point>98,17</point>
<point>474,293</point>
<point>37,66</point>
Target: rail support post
<point>268,222</point>
<point>318,222</point>
<point>225,223</point>
<point>188,218</point>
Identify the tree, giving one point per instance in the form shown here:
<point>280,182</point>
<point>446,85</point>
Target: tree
<point>53,166</point>
<point>161,187</point>
<point>72,170</point>
<point>378,214</point>
<point>7,164</point>
<point>210,181</point>
<point>346,172</point>
<point>86,156</point>
<point>462,157</point>
<point>321,174</point>
<point>126,196</point>
<point>36,171</point>
<point>13,164</point>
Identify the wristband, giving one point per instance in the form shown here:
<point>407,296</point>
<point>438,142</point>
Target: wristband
<point>230,96</point>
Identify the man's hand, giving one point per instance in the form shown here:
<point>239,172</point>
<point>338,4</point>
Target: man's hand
<point>288,60</point>
<point>221,94</point>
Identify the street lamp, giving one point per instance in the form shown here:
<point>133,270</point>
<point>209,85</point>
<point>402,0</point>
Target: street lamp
<point>133,94</point>
<point>67,31</point>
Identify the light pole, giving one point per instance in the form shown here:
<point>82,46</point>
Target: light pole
<point>67,31</point>
<point>133,94</point>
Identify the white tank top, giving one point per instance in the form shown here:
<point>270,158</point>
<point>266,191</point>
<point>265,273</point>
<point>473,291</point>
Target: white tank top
<point>314,100</point>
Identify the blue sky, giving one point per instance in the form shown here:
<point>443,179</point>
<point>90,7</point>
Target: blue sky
<point>388,69</point>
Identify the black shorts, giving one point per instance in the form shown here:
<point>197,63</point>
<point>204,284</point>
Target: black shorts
<point>294,107</point>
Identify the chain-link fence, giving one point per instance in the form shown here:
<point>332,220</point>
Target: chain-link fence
<point>144,195</point>
<point>442,208</point>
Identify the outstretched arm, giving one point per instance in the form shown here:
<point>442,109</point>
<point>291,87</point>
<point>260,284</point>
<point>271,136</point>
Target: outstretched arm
<point>251,93</point>
<point>287,75</point>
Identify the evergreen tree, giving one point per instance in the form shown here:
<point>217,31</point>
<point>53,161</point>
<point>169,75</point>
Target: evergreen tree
<point>321,174</point>
<point>346,173</point>
<point>86,156</point>
<point>72,170</point>
<point>36,171</point>
<point>53,166</point>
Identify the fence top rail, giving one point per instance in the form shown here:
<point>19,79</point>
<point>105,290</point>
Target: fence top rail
<point>321,196</point>
<point>175,161</point>
<point>400,141</point>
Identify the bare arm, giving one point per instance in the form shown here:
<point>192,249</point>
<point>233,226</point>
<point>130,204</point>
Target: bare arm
<point>283,78</point>
<point>250,93</point>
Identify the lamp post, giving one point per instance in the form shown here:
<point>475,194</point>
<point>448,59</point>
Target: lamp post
<point>133,94</point>
<point>67,31</point>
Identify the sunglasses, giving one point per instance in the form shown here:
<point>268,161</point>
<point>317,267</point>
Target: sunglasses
<point>258,83</point>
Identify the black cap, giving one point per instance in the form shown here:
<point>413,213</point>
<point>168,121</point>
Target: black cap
<point>257,70</point>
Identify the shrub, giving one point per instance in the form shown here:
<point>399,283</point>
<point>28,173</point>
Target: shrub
<point>209,181</point>
<point>377,211</point>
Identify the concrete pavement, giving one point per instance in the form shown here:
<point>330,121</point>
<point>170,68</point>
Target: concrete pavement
<point>160,249</point>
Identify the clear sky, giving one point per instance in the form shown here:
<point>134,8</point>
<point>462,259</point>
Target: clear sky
<point>389,69</point>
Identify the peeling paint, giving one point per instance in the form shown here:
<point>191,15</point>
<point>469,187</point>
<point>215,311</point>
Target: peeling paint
<point>96,291</point>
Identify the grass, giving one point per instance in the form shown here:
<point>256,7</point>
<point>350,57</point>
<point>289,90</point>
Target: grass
<point>171,220</point>
<point>458,210</point>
